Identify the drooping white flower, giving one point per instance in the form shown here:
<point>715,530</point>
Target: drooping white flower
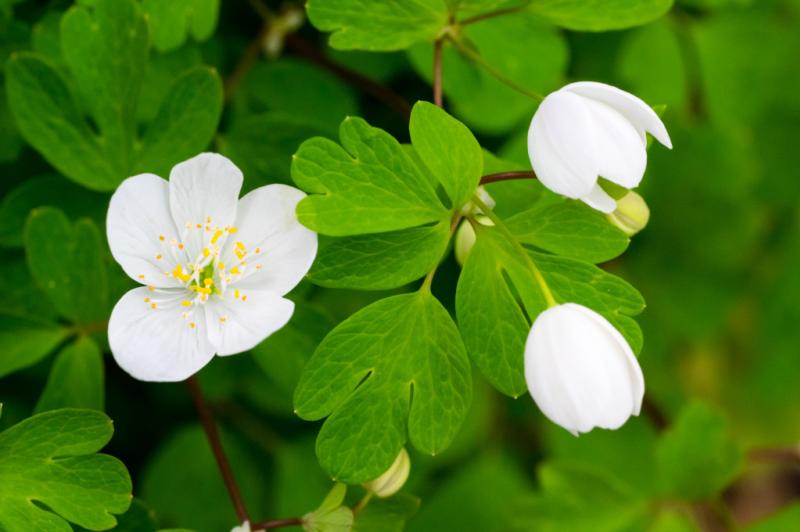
<point>393,478</point>
<point>244,527</point>
<point>214,267</point>
<point>580,370</point>
<point>588,130</point>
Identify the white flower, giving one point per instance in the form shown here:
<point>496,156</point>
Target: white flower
<point>580,370</point>
<point>214,267</point>
<point>393,478</point>
<point>587,130</point>
<point>244,527</point>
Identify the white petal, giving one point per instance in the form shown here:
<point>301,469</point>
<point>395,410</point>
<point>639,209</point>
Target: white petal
<point>159,344</point>
<point>203,194</point>
<point>277,250</point>
<point>634,109</point>
<point>561,145</point>
<point>244,318</point>
<point>581,371</point>
<point>621,155</point>
<point>140,230</point>
<point>600,200</point>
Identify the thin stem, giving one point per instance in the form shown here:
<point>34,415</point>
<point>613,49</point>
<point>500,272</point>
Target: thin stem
<point>362,503</point>
<point>246,62</point>
<point>548,295</point>
<point>476,58</point>
<point>437,72</point>
<point>492,14</point>
<point>507,176</point>
<point>277,523</point>
<point>210,427</point>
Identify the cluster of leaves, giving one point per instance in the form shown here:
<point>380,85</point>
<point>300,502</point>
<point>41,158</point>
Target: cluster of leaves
<point>109,88</point>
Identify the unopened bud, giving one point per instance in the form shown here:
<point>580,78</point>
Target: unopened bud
<point>393,479</point>
<point>470,208</point>
<point>465,238</point>
<point>631,214</point>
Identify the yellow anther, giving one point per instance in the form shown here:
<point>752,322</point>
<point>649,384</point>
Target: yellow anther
<point>158,257</point>
<point>192,325</point>
<point>206,252</point>
<point>259,266</point>
<point>178,274</point>
<point>235,270</point>
<point>232,230</point>
<point>151,288</point>
<point>198,225</point>
<point>217,234</point>
<point>180,246</point>
<point>258,250</point>
<point>222,319</point>
<point>204,290</point>
<point>240,254</point>
<point>239,245</point>
<point>186,303</point>
<point>208,281</point>
<point>161,237</point>
<point>244,298</point>
<point>140,276</point>
<point>221,265</point>
<point>147,300</point>
<point>236,293</point>
<point>208,220</point>
<point>153,306</point>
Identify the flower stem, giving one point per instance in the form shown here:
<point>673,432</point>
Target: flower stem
<point>546,292</point>
<point>507,176</point>
<point>492,14</point>
<point>476,58</point>
<point>362,503</point>
<point>437,72</point>
<point>210,428</point>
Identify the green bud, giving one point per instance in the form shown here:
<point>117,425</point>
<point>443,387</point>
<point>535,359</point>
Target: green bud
<point>631,215</point>
<point>393,479</point>
<point>465,238</point>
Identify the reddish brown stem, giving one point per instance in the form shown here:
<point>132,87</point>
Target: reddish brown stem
<point>277,523</point>
<point>437,72</point>
<point>506,176</point>
<point>210,427</point>
<point>356,79</point>
<point>491,14</point>
<point>246,62</point>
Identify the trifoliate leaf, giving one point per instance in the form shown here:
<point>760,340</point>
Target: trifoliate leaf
<point>378,26</point>
<point>105,50</point>
<point>382,260</point>
<point>23,341</point>
<point>600,15</point>
<point>499,295</point>
<point>369,184</point>
<point>449,150</point>
<point>570,229</point>
<point>51,474</point>
<point>76,378</point>
<point>393,370</point>
<point>66,261</point>
<point>696,458</point>
<point>172,22</point>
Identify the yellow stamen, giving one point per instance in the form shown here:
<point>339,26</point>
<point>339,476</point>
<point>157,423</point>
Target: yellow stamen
<point>244,298</point>
<point>158,257</point>
<point>192,325</point>
<point>206,252</point>
<point>222,319</point>
<point>236,293</point>
<point>161,237</point>
<point>221,265</point>
<point>217,234</point>
<point>147,300</point>
<point>178,274</point>
<point>153,306</point>
<point>232,230</point>
<point>141,276</point>
<point>208,281</point>
<point>151,288</point>
<point>186,303</point>
<point>235,270</point>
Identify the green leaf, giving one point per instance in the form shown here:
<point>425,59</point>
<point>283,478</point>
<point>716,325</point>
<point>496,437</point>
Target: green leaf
<point>600,15</point>
<point>369,184</point>
<point>105,52</point>
<point>50,459</point>
<point>330,516</point>
<point>570,229</point>
<point>696,458</point>
<point>396,368</point>
<point>785,519</point>
<point>23,342</point>
<point>76,378</point>
<point>449,150</point>
<point>387,515</point>
<point>522,47</point>
<point>66,261</point>
<point>21,296</point>
<point>378,26</point>
<point>380,261</point>
<point>172,22</point>
<point>499,295</point>
<point>48,190</point>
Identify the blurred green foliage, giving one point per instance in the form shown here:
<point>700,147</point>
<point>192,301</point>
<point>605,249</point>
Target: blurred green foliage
<point>135,87</point>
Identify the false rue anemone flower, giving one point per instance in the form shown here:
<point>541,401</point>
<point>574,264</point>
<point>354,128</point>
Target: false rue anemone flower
<point>588,130</point>
<point>580,371</point>
<point>213,267</point>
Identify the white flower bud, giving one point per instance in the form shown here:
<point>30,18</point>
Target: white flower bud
<point>465,238</point>
<point>589,130</point>
<point>580,370</point>
<point>393,479</point>
<point>244,527</point>
<point>632,213</point>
